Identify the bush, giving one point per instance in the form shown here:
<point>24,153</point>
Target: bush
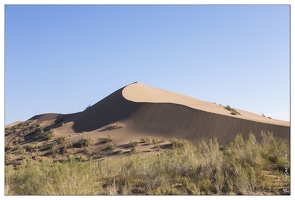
<point>179,144</point>
<point>108,139</point>
<point>61,139</point>
<point>232,110</point>
<point>133,144</point>
<point>32,147</point>
<point>157,147</point>
<point>114,126</point>
<point>146,140</point>
<point>85,142</point>
<point>155,141</point>
<point>49,135</point>
<point>110,147</point>
<point>133,150</point>
<point>54,149</point>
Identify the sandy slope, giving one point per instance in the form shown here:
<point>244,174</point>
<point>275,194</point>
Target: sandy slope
<point>147,111</point>
<point>141,93</point>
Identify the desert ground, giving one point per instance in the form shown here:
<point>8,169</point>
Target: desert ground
<point>135,119</point>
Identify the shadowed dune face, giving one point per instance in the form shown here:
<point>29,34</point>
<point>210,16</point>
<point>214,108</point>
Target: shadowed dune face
<point>111,109</point>
<point>195,125</point>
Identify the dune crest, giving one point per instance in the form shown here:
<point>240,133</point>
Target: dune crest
<point>138,92</point>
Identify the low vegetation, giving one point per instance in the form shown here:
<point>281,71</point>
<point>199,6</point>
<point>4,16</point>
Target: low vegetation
<point>61,139</point>
<point>244,166</point>
<point>114,126</point>
<point>108,139</point>
<point>147,140</point>
<point>232,110</point>
<point>85,141</point>
<point>133,144</point>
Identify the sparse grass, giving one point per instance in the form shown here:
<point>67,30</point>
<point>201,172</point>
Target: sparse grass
<point>237,168</point>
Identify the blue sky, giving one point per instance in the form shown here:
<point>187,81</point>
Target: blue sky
<point>60,59</point>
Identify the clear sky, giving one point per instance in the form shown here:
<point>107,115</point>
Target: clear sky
<point>60,59</point>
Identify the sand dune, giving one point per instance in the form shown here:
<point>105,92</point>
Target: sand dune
<point>147,111</point>
<point>150,111</point>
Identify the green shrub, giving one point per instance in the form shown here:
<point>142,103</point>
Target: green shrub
<point>110,147</point>
<point>49,135</point>
<point>61,139</point>
<point>133,150</point>
<point>54,149</point>
<point>85,141</point>
<point>232,110</point>
<point>155,141</point>
<point>133,144</point>
<point>157,147</point>
<point>146,140</point>
<point>32,147</point>
<point>86,150</point>
<point>108,139</point>
<point>179,144</point>
<point>114,126</point>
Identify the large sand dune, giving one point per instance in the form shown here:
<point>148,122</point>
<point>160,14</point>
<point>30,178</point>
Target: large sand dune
<point>144,110</point>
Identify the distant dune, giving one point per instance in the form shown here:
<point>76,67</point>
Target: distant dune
<point>144,110</point>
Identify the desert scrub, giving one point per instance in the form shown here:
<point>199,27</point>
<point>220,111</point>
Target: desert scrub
<point>49,135</point>
<point>54,150</point>
<point>85,141</point>
<point>133,144</point>
<point>32,147</point>
<point>133,150</point>
<point>110,147</point>
<point>113,126</point>
<point>86,150</point>
<point>179,144</point>
<point>61,139</point>
<point>232,110</point>
<point>237,168</point>
<point>157,147</point>
<point>47,178</point>
<point>147,140</point>
<point>108,139</point>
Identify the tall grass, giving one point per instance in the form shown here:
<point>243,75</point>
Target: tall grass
<point>237,168</point>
